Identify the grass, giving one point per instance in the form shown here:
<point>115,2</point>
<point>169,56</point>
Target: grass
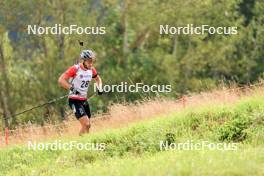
<point>135,150</point>
<point>179,163</point>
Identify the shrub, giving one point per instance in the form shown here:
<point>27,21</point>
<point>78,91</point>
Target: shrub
<point>234,130</point>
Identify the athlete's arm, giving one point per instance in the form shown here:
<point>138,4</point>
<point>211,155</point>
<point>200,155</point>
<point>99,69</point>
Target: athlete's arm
<point>64,78</point>
<point>64,82</point>
<point>98,80</point>
<point>99,83</point>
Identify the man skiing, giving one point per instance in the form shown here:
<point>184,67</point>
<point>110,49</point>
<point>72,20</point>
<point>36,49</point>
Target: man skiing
<point>76,79</point>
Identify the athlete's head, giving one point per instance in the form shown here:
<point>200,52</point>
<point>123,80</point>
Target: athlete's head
<point>87,57</point>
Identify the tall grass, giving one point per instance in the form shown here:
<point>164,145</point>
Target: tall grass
<point>121,115</point>
<point>241,123</point>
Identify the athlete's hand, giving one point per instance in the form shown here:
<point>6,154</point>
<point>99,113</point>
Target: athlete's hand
<point>100,92</point>
<point>74,90</point>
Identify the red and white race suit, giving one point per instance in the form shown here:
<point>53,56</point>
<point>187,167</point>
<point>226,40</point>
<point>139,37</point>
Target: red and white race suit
<point>80,79</point>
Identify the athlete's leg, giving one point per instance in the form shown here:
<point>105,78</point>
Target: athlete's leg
<point>85,124</point>
<point>79,108</point>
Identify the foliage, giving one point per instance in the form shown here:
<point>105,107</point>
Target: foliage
<point>132,50</point>
<point>142,140</point>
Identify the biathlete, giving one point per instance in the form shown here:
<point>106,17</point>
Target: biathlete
<point>76,79</point>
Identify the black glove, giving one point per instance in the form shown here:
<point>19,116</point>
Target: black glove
<point>100,92</point>
<point>74,90</point>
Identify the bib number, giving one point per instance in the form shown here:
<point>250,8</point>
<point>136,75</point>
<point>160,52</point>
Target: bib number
<point>84,84</point>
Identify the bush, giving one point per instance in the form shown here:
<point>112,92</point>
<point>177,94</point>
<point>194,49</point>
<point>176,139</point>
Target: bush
<point>234,130</point>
